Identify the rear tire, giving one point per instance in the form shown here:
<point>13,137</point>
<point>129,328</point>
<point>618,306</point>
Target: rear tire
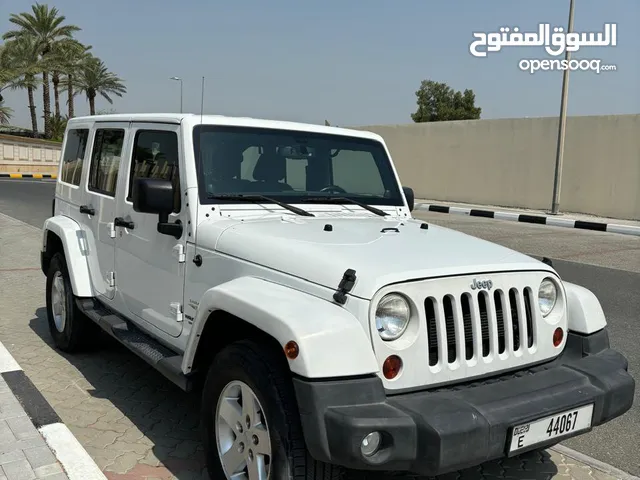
<point>70,328</point>
<point>274,439</point>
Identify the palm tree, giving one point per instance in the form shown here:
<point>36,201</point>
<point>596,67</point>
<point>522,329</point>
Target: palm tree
<point>5,114</point>
<point>65,56</point>
<point>95,79</point>
<point>22,55</point>
<point>45,26</point>
<point>73,60</point>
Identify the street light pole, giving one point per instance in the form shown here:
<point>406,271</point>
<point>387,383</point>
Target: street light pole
<point>179,80</point>
<point>555,205</point>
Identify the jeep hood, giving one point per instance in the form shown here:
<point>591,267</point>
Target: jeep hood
<point>381,251</point>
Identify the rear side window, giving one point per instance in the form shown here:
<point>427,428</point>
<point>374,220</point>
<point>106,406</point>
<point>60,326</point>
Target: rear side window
<point>105,160</point>
<point>155,155</point>
<point>73,156</point>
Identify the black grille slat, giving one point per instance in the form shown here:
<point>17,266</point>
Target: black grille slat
<point>468,327</point>
<point>528,306</point>
<point>502,344</point>
<point>450,329</point>
<point>513,304</point>
<point>432,331</point>
<point>484,323</point>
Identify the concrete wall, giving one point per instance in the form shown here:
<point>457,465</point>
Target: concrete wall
<point>506,162</point>
<point>28,155</point>
<point>511,162</point>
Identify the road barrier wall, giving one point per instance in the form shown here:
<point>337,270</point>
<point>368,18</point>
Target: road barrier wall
<point>28,155</point>
<point>511,162</point>
<point>503,162</point>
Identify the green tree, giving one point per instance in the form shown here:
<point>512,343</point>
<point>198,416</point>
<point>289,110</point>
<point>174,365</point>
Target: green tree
<point>73,59</point>
<point>21,57</point>
<point>46,26</point>
<point>5,114</point>
<point>64,55</point>
<point>438,102</point>
<point>95,79</point>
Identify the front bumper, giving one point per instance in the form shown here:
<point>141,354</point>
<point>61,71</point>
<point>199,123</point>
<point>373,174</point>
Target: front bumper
<point>446,429</point>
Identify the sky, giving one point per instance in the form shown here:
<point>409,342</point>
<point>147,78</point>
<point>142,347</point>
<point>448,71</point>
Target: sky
<point>353,63</point>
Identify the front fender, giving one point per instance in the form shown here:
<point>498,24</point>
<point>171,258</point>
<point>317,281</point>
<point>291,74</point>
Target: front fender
<point>332,342</point>
<point>585,314</point>
<point>75,252</point>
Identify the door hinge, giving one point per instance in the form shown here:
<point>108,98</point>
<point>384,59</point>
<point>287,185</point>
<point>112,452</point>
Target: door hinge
<point>176,310</point>
<point>111,279</point>
<point>178,252</point>
<point>112,230</point>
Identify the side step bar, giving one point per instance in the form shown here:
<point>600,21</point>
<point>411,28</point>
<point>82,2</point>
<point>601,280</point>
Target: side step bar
<point>150,350</point>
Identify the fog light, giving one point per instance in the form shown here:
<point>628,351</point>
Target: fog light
<point>558,335</point>
<point>370,444</point>
<point>391,367</point>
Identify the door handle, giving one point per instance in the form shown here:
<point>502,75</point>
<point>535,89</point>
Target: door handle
<point>121,222</point>
<point>87,209</point>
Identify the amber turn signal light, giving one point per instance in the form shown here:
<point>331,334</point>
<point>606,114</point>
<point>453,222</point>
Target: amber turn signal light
<point>391,367</point>
<point>558,335</point>
<point>291,350</point>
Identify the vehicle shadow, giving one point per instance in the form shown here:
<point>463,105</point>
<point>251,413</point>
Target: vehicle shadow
<point>141,424</point>
<point>165,439</point>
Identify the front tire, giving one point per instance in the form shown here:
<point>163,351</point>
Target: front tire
<point>70,328</point>
<point>250,419</point>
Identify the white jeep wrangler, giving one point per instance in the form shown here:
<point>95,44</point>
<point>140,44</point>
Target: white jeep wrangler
<point>277,266</point>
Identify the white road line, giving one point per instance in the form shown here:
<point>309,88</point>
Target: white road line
<point>75,460</point>
<point>7,362</point>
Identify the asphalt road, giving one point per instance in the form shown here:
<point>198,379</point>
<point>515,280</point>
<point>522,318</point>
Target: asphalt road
<point>608,264</point>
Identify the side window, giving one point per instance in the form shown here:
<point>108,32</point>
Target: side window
<point>357,172</point>
<point>105,160</point>
<point>73,156</point>
<point>155,155</point>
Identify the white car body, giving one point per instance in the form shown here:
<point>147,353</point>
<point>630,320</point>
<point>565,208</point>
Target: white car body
<point>278,271</point>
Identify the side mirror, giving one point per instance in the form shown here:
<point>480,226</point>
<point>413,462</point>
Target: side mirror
<point>408,192</point>
<point>151,195</point>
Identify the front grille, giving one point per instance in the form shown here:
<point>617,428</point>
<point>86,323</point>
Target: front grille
<point>479,325</point>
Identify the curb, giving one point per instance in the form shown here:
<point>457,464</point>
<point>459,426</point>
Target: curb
<point>29,175</point>
<point>593,463</point>
<point>537,219</point>
<point>76,462</point>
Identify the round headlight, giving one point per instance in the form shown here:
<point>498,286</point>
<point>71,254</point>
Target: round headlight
<point>547,295</point>
<point>392,316</point>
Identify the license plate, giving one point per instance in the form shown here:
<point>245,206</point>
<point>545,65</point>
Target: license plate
<point>549,428</point>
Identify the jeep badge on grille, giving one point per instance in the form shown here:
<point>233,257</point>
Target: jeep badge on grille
<point>479,285</point>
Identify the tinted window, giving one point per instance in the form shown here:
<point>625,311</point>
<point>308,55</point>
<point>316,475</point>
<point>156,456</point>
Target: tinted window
<point>105,160</point>
<point>73,156</point>
<point>292,166</point>
<point>155,155</point>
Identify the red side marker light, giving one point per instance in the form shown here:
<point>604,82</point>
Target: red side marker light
<point>391,367</point>
<point>558,335</point>
<point>291,350</point>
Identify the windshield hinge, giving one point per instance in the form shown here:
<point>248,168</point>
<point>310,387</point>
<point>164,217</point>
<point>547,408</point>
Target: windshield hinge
<point>176,310</point>
<point>345,286</point>
<point>178,253</point>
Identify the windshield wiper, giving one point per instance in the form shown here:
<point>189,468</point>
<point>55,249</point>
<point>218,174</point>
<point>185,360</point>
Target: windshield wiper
<point>257,199</point>
<point>332,199</point>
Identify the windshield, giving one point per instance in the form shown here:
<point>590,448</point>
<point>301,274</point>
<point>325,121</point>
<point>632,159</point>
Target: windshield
<point>291,166</point>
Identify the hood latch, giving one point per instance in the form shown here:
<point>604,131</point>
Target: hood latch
<point>345,286</point>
